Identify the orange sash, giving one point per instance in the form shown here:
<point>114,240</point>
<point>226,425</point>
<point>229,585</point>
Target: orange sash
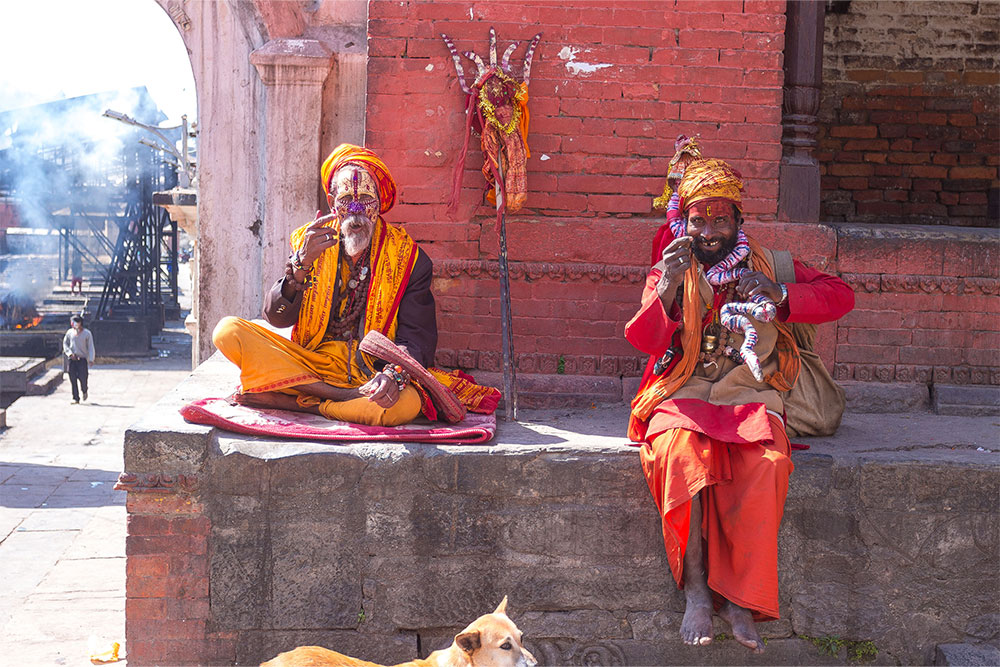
<point>655,389</point>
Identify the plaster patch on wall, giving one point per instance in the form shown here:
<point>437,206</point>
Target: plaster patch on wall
<point>544,157</point>
<point>471,17</point>
<point>568,53</point>
<point>429,68</point>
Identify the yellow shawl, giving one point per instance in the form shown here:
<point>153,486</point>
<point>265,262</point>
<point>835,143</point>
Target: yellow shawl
<point>393,255</point>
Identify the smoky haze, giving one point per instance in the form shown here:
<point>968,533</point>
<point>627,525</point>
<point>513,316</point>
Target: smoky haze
<point>60,160</point>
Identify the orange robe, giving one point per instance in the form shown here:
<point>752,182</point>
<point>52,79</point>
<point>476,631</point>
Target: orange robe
<point>270,362</point>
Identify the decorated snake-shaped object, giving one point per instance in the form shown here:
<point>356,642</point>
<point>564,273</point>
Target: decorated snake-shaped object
<point>735,315</point>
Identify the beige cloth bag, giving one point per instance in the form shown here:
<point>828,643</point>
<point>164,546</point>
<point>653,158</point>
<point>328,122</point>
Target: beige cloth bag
<point>815,405</point>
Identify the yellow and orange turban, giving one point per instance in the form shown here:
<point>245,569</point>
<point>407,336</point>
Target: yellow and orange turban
<point>710,179</point>
<point>346,154</point>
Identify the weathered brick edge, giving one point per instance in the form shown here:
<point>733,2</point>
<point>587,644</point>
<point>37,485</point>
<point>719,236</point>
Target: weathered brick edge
<point>167,610</point>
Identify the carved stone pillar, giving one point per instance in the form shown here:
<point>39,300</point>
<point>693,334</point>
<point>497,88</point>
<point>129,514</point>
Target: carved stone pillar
<point>799,186</point>
<point>293,72</point>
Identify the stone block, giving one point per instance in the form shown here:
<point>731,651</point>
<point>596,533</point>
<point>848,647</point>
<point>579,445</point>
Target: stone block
<point>45,383</point>
<point>967,655</point>
<point>885,397</point>
<point>966,400</point>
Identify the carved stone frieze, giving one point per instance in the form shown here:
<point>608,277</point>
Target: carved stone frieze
<point>538,362</point>
<point>913,374</point>
<point>909,284</point>
<point>566,652</point>
<point>156,483</point>
<point>534,271</point>
<point>863,282</point>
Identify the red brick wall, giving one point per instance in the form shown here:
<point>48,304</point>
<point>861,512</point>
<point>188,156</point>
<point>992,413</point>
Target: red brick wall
<point>600,142</point>
<point>909,121</point>
<point>167,607</point>
<point>926,308</point>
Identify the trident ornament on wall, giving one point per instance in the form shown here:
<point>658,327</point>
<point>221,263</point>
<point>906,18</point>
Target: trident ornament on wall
<point>497,108</point>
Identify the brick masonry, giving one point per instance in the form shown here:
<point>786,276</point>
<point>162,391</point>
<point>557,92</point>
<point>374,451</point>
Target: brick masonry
<point>601,136</point>
<point>926,305</point>
<point>167,602</point>
<point>909,119</point>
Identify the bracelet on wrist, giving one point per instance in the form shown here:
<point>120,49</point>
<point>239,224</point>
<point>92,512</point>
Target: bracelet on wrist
<point>297,265</point>
<point>784,294</point>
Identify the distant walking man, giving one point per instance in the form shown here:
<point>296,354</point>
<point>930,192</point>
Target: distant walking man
<point>78,346</point>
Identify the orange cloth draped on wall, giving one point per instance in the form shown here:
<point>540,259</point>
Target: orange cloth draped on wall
<point>743,488</point>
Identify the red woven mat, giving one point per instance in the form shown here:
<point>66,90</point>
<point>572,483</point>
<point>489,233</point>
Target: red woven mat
<point>219,412</point>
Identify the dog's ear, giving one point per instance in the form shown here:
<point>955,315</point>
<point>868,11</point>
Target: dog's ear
<point>468,641</point>
<point>502,607</point>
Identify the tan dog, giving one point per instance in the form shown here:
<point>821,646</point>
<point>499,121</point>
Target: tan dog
<point>491,640</point>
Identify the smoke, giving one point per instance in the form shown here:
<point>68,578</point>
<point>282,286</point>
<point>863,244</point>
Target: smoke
<point>59,160</point>
<point>65,153</point>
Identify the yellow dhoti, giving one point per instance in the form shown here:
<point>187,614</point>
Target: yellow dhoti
<point>269,362</point>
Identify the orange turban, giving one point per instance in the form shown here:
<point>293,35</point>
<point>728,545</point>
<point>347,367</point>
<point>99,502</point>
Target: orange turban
<point>710,179</point>
<point>346,154</point>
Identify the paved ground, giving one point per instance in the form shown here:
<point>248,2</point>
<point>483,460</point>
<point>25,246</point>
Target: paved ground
<point>62,526</point>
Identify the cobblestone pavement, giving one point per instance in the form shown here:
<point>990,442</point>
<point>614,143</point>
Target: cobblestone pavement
<point>62,526</point>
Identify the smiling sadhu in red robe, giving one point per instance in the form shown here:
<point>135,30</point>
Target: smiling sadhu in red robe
<point>714,448</point>
<point>350,273</point>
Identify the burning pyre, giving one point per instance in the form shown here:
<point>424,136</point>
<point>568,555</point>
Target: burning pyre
<point>17,311</point>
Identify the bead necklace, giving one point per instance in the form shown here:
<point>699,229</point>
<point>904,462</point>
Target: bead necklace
<point>357,287</point>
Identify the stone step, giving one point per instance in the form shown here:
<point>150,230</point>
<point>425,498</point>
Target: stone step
<point>967,655</point>
<point>887,524</point>
<point>966,400</point>
<point>16,372</point>
<point>46,382</point>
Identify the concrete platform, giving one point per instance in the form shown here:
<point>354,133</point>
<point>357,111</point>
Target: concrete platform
<point>890,542</point>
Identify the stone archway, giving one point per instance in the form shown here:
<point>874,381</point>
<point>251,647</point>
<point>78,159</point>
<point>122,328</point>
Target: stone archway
<point>260,86</point>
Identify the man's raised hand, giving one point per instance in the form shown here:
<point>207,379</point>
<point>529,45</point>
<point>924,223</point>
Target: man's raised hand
<point>676,260</point>
<point>317,238</point>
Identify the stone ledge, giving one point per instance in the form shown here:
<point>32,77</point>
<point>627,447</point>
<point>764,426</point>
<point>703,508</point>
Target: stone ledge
<point>369,546</point>
<point>966,400</point>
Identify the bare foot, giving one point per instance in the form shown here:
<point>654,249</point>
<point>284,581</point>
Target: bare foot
<point>696,628</point>
<point>743,626</point>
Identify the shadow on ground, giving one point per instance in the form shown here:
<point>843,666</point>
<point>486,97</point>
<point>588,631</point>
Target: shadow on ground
<point>30,485</point>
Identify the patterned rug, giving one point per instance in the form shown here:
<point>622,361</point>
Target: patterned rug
<point>219,412</point>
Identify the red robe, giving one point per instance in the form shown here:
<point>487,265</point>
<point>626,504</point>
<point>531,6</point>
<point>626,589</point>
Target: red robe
<point>735,455</point>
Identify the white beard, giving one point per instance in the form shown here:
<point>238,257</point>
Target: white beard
<point>355,241</point>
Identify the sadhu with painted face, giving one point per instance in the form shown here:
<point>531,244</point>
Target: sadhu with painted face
<point>709,412</point>
<point>349,273</point>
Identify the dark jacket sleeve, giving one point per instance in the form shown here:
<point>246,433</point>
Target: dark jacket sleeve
<point>279,311</point>
<point>417,322</point>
